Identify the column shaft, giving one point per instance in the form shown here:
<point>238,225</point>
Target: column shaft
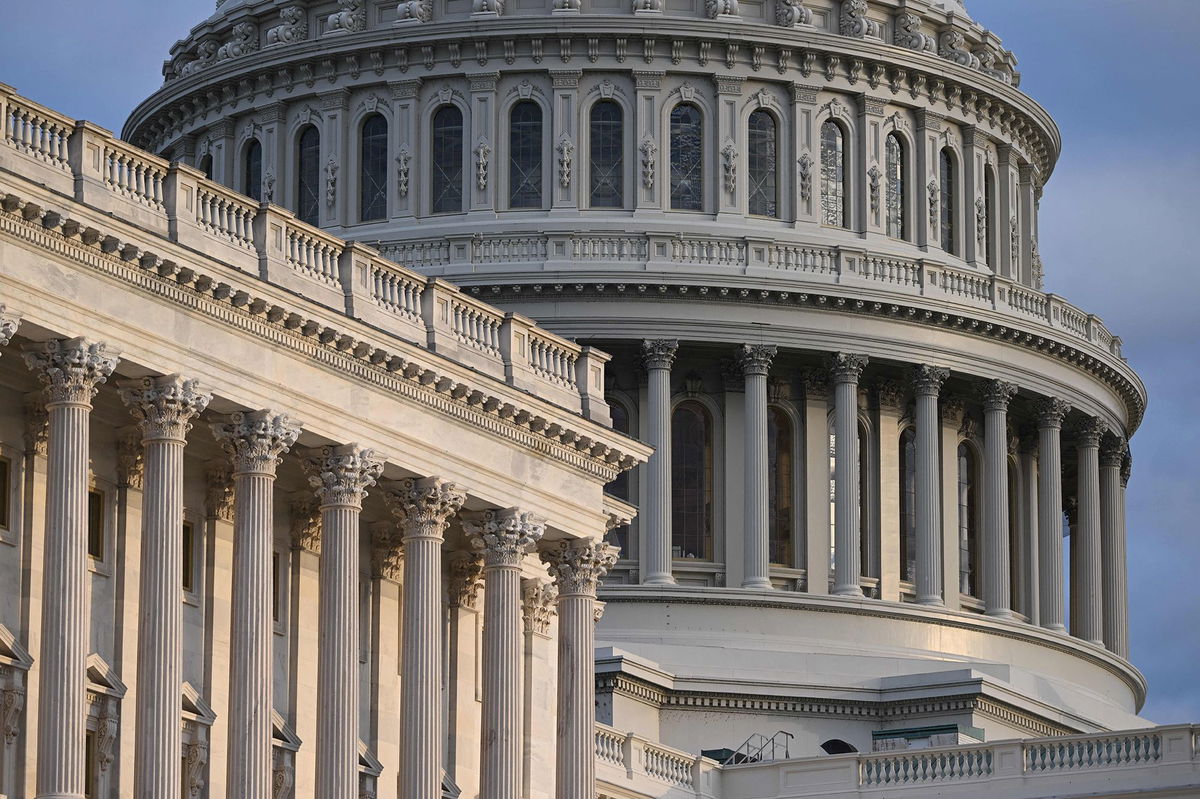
<point>1050,515</point>
<point>928,480</point>
<point>1086,598</point>
<point>847,532</point>
<point>1114,572</point>
<point>502,637</point>
<point>997,563</point>
<point>755,361</point>
<point>337,672</point>
<point>656,524</point>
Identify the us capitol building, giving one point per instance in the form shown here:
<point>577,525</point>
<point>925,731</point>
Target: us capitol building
<point>799,485</point>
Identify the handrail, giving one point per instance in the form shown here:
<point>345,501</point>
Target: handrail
<point>754,749</point>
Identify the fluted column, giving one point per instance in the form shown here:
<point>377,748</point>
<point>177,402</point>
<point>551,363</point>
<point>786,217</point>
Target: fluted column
<point>340,475</point>
<point>1051,413</point>
<point>658,357</point>
<point>927,382</point>
<point>503,537</point>
<point>254,441</point>
<point>423,508</point>
<point>1086,599</point>
<point>1113,568</point>
<point>846,369</point>
<point>71,371</point>
<point>755,363</point>
<point>997,589</point>
<point>577,568</point>
<point>165,408</point>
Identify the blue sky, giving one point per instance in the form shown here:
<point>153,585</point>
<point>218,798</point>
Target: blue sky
<point>1117,75</point>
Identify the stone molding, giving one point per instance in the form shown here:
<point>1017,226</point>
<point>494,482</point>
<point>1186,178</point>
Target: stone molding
<point>659,353</point>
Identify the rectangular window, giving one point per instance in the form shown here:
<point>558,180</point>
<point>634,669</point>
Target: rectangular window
<point>89,765</point>
<point>5,493</point>
<point>276,582</point>
<point>95,511</point>
<point>189,558</point>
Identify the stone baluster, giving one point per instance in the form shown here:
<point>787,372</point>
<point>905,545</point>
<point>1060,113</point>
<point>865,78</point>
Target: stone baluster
<point>997,590</point>
<point>255,441</point>
<point>846,369</point>
<point>927,382</point>
<point>1087,604</point>
<point>340,475</point>
<point>71,371</point>
<point>503,537</point>
<point>423,508</point>
<point>658,357</point>
<point>1113,568</point>
<point>1050,413</point>
<point>577,568</point>
<point>165,408</point>
<point>755,363</point>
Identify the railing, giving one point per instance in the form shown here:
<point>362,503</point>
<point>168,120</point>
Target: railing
<point>226,214</point>
<point>819,261</point>
<point>610,746</point>
<point>509,249</point>
<point>552,358</point>
<point>1093,752</point>
<point>967,285</point>
<point>759,747</point>
<point>715,252</point>
<point>669,766</point>
<point>396,291</point>
<point>905,768</point>
<point>609,248</point>
<point>477,325</point>
<point>893,271</point>
<point>37,131</point>
<point>313,253</point>
<point>134,174</point>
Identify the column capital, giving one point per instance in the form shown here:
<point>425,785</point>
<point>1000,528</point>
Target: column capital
<point>9,322</point>
<point>1089,432</point>
<point>424,505</point>
<point>164,406</point>
<point>755,359</point>
<point>1126,468</point>
<point>997,394</point>
<point>847,367</point>
<point>537,605</point>
<point>891,394</point>
<point>578,566</point>
<point>1051,411</point>
<point>504,537</point>
<point>659,353</point>
<point>70,369</point>
<point>1113,449</point>
<point>928,380</point>
<point>341,474</point>
<point>816,383</point>
<point>256,440</point>
<point>218,496</point>
<point>131,457</point>
<point>953,410</point>
<point>464,578</point>
<point>387,551</point>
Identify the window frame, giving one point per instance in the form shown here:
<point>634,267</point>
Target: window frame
<point>193,596</point>
<point>905,184</point>
<point>103,566</point>
<point>464,182</point>
<point>971,545</point>
<point>715,476</point>
<point>776,160</point>
<point>847,165</point>
<point>701,161</point>
<point>543,156</point>
<point>10,533</point>
<point>624,150</point>
<point>244,166</point>
<point>796,422</point>
<point>360,171</point>
<point>298,165</point>
<point>949,202</point>
<point>629,549</point>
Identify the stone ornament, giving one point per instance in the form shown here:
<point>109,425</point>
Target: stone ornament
<point>9,323</point>
<point>131,461</point>
<point>331,170</point>
<point>504,537</point>
<point>483,159</point>
<point>874,176</point>
<point>464,579</point>
<point>164,406</point>
<point>935,193</point>
<point>659,353</point>
<point>350,19</point>
<point>980,220</point>
<point>306,523</point>
<point>1114,449</point>
<point>928,380</point>
<point>195,758</point>
<point>566,155</point>
<point>387,551</point>
<point>537,605</point>
<point>70,369</point>
<point>755,359</point>
<point>847,367</point>
<point>806,176</point>
<point>721,8</point>
<point>414,11</point>
<point>578,566</point>
<point>729,154</point>
<point>218,496</point>
<point>37,423</point>
<point>792,14</point>
<point>489,7</point>
<point>891,394</point>
<point>243,42</point>
<point>402,169</point>
<point>1090,431</point>
<point>342,474</point>
<point>854,22</point>
<point>952,47</point>
<point>908,34</point>
<point>649,152</point>
<point>423,506</point>
<point>647,6</point>
<point>293,27</point>
<point>256,440</point>
<point>997,394</point>
<point>12,702</point>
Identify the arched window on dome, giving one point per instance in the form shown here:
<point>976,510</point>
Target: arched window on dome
<point>252,165</point>
<point>619,487</point>
<point>895,207</point>
<point>687,158</point>
<point>308,176</point>
<point>373,169</point>
<point>908,505</point>
<point>606,138</point>
<point>947,178</point>
<point>989,216</point>
<point>691,482</point>
<point>206,165</point>
<point>781,492</point>
<point>834,205</point>
<point>525,155</point>
<point>1016,566</point>
<point>868,538</point>
<point>969,506</point>
<point>446,161</point>
<point>763,164</point>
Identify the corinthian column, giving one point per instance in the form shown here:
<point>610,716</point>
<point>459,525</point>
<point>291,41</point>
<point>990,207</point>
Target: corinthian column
<point>254,441</point>
<point>755,362</point>
<point>341,476</point>
<point>997,591</point>
<point>423,507</point>
<point>577,568</point>
<point>658,357</point>
<point>1051,413</point>
<point>165,408</point>
<point>1115,578</point>
<point>503,538</point>
<point>847,548</point>
<point>1086,600</point>
<point>927,382</point>
<point>71,371</point>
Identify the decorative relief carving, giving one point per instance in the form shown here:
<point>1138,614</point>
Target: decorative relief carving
<point>12,703</point>
<point>755,359</point>
<point>464,579</point>
<point>659,353</point>
<point>952,47</point>
<point>293,27</point>
<point>854,22</point>
<point>1014,234</point>
<point>729,154</point>
<point>415,11</point>
<point>908,34</point>
<point>244,40</point>
<point>845,367</point>
<point>997,394</point>
<point>402,166</point>
<point>891,393</point>
<point>130,458</point>
<point>578,566</point>
<point>792,13</point>
<point>107,727</point>
<point>537,605</point>
<point>70,370</point>
<point>37,423</point>
<point>255,440</point>
<point>934,201</point>
<point>342,474</point>
<point>218,495</point>
<point>1089,432</point>
<point>806,176</point>
<point>504,537</point>
<point>649,152</point>
<point>164,406</point>
<point>350,19</point>
<point>489,7</point>
<point>1039,270</point>
<point>874,176</point>
<point>647,6</point>
<point>8,325</point>
<point>195,758</point>
<point>483,158</point>
<point>283,774</point>
<point>423,506</point>
<point>721,8</point>
<point>1051,412</point>
<point>566,157</point>
<point>306,522</point>
<point>980,220</point>
<point>387,551</point>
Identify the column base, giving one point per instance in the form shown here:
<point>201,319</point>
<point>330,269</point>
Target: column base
<point>935,600</point>
<point>60,796</point>
<point>851,590</point>
<point>1056,628</point>
<point>659,580</point>
<point>1001,613</point>
<point>761,584</point>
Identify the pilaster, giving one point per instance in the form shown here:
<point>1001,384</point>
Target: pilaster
<point>817,477</point>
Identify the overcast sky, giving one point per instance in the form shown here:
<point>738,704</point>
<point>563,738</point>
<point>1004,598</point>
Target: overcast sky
<point>1117,219</point>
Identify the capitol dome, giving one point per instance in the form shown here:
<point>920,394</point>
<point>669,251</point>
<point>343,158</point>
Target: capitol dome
<point>807,233</point>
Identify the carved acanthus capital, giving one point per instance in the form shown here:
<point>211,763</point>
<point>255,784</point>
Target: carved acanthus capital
<point>847,367</point>
<point>387,551</point>
<point>1051,411</point>
<point>891,393</point>
<point>464,578</point>
<point>953,410</point>
<point>9,322</point>
<point>598,611</point>
<point>283,774</point>
<point>659,353</point>
<point>755,359</point>
<point>306,522</point>
<point>1126,468</point>
<point>578,566</point>
<point>341,474</point>
<point>37,423</point>
<point>997,394</point>
<point>1089,432</point>
<point>537,605</point>
<point>130,457</point>
<point>1114,449</point>
<point>218,496</point>
<point>816,383</point>
<point>164,406</point>
<point>256,440</point>
<point>928,380</point>
<point>423,506</point>
<point>70,369</point>
<point>504,537</point>
<point>107,726</point>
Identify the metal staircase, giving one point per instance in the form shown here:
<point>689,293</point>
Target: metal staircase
<point>759,748</point>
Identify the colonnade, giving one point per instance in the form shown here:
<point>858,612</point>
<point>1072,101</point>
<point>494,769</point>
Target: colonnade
<point>1099,590</point>
<point>341,477</point>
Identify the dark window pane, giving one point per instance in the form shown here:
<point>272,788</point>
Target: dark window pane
<point>989,216</point>
<point>5,493</point>
<point>894,206</point>
<point>908,505</point>
<point>619,488</point>
<point>189,558</point>
<point>968,526</point>
<point>373,172</point>
<point>691,482</point>
<point>946,168</point>
<point>275,583</point>
<point>96,525</point>
<point>763,165</point>
<point>833,176</point>
<point>252,178</point>
<point>447,160</point>
<point>525,156</point>
<point>781,489</point>
<point>206,166</point>
<point>608,155</point>
<point>687,159</point>
<point>308,177</point>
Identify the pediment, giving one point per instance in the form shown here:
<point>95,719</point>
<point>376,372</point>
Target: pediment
<point>102,678</point>
<point>283,735</point>
<point>12,653</point>
<point>194,705</point>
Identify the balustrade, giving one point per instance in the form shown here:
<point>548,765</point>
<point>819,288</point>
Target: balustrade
<point>397,291</point>
<point>313,253</point>
<point>226,214</point>
<point>925,766</point>
<point>476,325</point>
<point>134,174</point>
<point>37,131</point>
<point>1093,752</point>
<point>552,358</point>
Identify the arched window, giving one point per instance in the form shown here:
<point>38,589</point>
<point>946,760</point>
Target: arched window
<point>868,549</point>
<point>989,216</point>
<point>894,205</point>
<point>619,488</point>
<point>446,161</point>
<point>763,164</point>
<point>968,520</point>
<point>607,162</point>
<point>692,482</point>
<point>206,165</point>
<point>252,171</point>
<point>833,176</point>
<point>525,155</point>
<point>947,178</point>
<point>373,169</point>
<point>908,505</point>
<point>308,176</point>
<point>780,500</point>
<point>836,746</point>
<point>1016,570</point>
<point>687,158</point>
